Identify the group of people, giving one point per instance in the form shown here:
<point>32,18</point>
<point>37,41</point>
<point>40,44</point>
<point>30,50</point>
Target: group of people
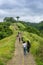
<point>26,45</point>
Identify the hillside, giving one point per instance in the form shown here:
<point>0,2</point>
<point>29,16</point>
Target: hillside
<point>37,26</point>
<point>33,28</point>
<point>5,31</point>
<point>36,43</point>
<point>28,33</point>
<point>7,46</point>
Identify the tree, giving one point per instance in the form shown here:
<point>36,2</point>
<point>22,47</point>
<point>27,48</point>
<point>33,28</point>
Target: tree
<point>9,19</point>
<point>6,19</point>
<point>5,30</point>
<point>17,18</point>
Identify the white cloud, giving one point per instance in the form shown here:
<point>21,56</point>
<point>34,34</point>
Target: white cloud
<point>28,10</point>
<point>34,19</point>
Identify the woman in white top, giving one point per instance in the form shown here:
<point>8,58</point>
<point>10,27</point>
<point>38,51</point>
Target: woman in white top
<point>24,47</point>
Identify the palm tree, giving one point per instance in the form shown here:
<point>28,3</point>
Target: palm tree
<point>17,18</point>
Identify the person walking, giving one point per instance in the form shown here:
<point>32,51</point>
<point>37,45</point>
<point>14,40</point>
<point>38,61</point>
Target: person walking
<point>19,39</point>
<point>19,36</point>
<point>28,46</point>
<point>24,47</point>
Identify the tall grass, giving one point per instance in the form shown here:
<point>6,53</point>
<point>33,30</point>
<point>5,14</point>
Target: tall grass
<point>36,43</point>
<point>36,46</point>
<point>7,47</point>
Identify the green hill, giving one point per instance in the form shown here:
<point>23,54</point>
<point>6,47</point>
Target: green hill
<point>35,40</point>
<point>7,46</point>
<point>30,32</point>
<point>32,28</point>
<point>37,26</point>
<point>5,31</point>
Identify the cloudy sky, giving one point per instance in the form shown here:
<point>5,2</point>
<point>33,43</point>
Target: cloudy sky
<point>28,10</point>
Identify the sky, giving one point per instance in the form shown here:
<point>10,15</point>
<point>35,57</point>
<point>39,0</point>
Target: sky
<point>27,10</point>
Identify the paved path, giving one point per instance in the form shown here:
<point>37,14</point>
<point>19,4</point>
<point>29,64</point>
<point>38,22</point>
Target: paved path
<point>19,58</point>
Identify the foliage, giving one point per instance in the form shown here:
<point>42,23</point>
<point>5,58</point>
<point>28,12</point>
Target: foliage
<point>36,46</point>
<point>7,47</point>
<point>32,34</point>
<point>5,30</point>
<point>37,26</point>
<point>17,18</point>
<point>21,26</point>
<point>9,19</point>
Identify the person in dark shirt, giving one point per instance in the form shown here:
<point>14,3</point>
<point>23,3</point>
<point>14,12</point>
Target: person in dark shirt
<point>19,39</point>
<point>28,46</point>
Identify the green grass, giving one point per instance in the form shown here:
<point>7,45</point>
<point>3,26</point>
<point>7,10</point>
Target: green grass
<point>21,25</point>
<point>7,46</point>
<point>36,42</point>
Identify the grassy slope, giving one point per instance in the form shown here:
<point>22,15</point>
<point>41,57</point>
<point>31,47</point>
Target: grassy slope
<point>7,47</point>
<point>7,44</point>
<point>20,26</point>
<point>36,43</point>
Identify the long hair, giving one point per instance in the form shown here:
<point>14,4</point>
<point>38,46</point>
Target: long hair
<point>28,44</point>
<point>23,41</point>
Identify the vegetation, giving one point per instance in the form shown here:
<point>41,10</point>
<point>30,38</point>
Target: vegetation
<point>7,47</point>
<point>36,43</point>
<point>17,18</point>
<point>5,31</point>
<point>30,31</point>
<point>21,26</point>
<point>37,26</point>
<point>9,19</point>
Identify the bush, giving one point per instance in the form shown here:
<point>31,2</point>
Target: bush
<point>5,30</point>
